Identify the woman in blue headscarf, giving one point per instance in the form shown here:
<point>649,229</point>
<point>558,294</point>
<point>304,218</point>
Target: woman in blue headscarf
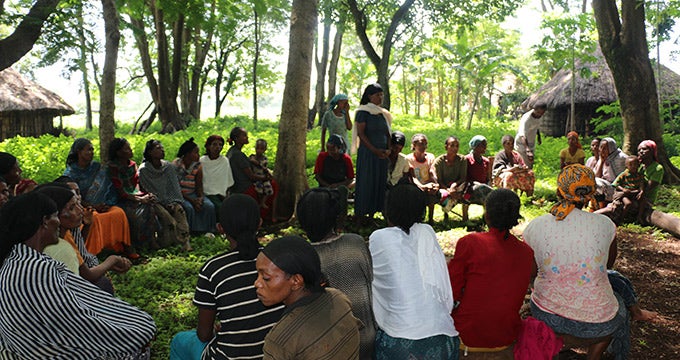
<point>336,119</point>
<point>478,174</point>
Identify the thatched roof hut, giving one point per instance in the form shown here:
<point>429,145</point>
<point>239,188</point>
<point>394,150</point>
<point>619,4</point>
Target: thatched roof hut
<point>26,108</point>
<point>590,93</point>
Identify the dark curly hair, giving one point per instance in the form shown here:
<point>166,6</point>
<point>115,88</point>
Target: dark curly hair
<point>502,209</point>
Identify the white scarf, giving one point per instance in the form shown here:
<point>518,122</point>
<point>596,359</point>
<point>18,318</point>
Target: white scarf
<point>432,264</point>
<point>372,109</point>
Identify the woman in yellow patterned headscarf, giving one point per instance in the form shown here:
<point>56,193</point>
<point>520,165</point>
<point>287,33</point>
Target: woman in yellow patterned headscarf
<point>575,187</point>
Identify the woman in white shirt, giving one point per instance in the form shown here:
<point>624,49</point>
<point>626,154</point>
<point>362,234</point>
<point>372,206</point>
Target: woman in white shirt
<point>412,298</point>
<point>217,176</point>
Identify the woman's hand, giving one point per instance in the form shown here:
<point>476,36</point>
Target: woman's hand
<point>88,214</point>
<point>121,265</point>
<point>102,208</point>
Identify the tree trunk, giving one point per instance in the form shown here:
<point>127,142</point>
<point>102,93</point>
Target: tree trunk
<point>82,66</point>
<point>256,58</point>
<point>290,155</point>
<point>321,66</point>
<point>20,42</point>
<point>335,58</point>
<point>107,98</point>
<point>667,222</point>
<point>624,45</point>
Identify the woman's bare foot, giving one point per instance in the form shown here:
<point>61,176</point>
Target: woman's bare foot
<point>639,314</point>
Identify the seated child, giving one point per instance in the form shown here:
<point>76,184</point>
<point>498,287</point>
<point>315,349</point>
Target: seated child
<point>258,163</point>
<point>629,184</point>
<point>573,154</point>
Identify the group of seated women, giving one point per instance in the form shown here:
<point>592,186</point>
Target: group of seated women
<point>156,205</point>
<point>453,178</point>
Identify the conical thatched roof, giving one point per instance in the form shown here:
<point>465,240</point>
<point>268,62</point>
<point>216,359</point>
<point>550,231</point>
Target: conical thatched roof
<point>596,89</point>
<point>20,94</point>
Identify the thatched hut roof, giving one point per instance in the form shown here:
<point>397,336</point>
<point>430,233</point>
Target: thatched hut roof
<point>596,89</point>
<point>17,93</point>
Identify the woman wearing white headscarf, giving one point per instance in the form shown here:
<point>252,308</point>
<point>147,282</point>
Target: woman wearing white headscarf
<point>612,162</point>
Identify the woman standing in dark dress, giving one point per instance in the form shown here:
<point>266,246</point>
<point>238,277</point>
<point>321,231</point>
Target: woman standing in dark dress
<point>373,129</point>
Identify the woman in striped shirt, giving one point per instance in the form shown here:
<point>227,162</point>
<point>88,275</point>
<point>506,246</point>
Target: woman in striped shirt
<point>46,311</point>
<point>225,292</point>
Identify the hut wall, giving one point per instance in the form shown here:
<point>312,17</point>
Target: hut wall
<point>554,122</point>
<point>25,124</point>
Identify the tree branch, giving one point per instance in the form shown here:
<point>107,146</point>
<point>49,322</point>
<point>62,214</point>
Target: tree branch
<point>20,42</point>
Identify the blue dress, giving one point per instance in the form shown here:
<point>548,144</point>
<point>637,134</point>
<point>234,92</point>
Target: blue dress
<point>371,175</point>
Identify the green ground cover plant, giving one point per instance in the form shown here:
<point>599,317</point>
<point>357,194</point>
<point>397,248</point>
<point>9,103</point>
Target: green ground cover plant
<point>163,283</point>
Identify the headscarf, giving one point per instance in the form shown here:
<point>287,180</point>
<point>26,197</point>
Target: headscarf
<point>575,134</point>
<point>476,141</point>
<point>335,100</point>
<point>338,141</point>
<point>78,144</point>
<point>613,150</point>
<point>652,146</point>
<point>575,185</point>
<point>294,255</point>
<point>398,138</point>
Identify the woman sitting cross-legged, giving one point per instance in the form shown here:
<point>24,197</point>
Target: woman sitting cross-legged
<point>345,259</point>
<point>159,177</point>
<point>225,293</point>
<point>138,206</point>
<point>199,209</point>
<point>48,312</point>
<point>509,170</point>
<point>422,172</point>
<point>478,174</point>
<point>451,173</point>
<point>490,273</point>
<point>318,322</point>
<point>412,299</point>
<point>573,250</point>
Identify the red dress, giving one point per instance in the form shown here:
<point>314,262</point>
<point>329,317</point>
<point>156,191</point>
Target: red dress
<point>489,277</point>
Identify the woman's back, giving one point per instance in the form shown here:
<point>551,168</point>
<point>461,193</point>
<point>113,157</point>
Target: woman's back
<point>346,262</point>
<point>404,306</point>
<point>572,257</point>
<point>225,284</point>
<point>53,313</point>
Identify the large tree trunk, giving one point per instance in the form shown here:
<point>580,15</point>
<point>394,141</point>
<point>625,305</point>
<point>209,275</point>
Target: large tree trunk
<point>624,45</point>
<point>290,154</point>
<point>20,42</point>
<point>107,105</point>
<point>381,63</point>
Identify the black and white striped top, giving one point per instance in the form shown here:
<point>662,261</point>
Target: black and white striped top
<point>47,311</point>
<point>225,284</point>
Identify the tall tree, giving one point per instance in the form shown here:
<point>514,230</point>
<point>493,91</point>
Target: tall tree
<point>624,44</point>
<point>290,154</point>
<point>107,97</point>
<point>20,42</point>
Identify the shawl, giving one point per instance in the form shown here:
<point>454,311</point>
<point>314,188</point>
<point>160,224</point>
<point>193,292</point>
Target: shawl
<point>162,182</point>
<point>372,109</point>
